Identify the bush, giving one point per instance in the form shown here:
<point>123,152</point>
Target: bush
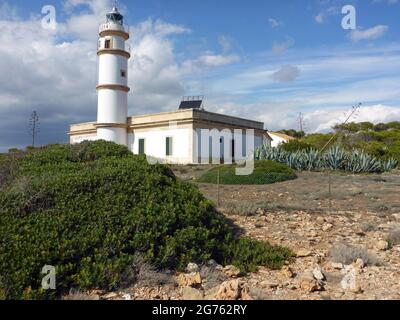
<point>265,172</point>
<point>394,237</point>
<point>90,209</point>
<point>348,254</point>
<point>296,145</point>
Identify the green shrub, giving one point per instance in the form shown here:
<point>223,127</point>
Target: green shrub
<point>265,172</point>
<point>249,254</point>
<point>296,145</point>
<point>90,209</point>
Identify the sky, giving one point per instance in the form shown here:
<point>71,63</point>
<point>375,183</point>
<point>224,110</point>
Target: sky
<point>267,60</point>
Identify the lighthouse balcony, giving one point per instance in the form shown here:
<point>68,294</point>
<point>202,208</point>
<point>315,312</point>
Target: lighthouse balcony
<point>112,28</point>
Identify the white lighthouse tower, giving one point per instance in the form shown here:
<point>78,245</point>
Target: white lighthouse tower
<point>112,88</point>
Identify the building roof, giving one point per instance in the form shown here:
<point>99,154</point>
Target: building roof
<point>282,135</point>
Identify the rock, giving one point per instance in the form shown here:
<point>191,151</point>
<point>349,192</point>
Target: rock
<point>302,253</point>
<point>189,293</point>
<point>309,283</point>
<point>127,297</point>
<point>232,271</point>
<point>349,282</point>
<point>327,227</point>
<point>337,266</point>
<point>313,234</point>
<point>229,290</point>
<point>189,280</point>
<point>318,274</point>
<point>110,296</point>
<point>287,272</point>
<point>192,268</point>
<point>382,245</point>
<point>320,220</point>
<point>269,284</point>
<point>359,264</point>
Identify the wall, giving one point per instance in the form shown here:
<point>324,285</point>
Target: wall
<point>155,144</point>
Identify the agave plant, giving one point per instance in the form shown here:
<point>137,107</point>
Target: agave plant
<point>312,159</point>
<point>389,164</point>
<point>360,162</point>
<point>335,158</point>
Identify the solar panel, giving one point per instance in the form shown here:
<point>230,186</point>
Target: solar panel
<point>191,103</point>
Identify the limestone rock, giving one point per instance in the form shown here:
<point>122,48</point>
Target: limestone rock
<point>189,280</point>
<point>287,272</point>
<point>232,271</point>
<point>189,293</point>
<point>382,245</point>
<point>192,268</point>
<point>327,227</point>
<point>309,283</point>
<point>229,290</point>
<point>349,281</point>
<point>318,274</point>
<point>337,266</point>
<point>302,253</point>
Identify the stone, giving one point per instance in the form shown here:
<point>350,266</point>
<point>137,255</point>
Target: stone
<point>309,283</point>
<point>337,266</point>
<point>318,274</point>
<point>287,272</point>
<point>232,271</point>
<point>359,264</point>
<point>349,281</point>
<point>189,294</point>
<point>110,296</point>
<point>327,227</point>
<point>303,253</point>
<point>229,290</point>
<point>382,245</point>
<point>320,220</point>
<point>269,284</point>
<point>192,268</point>
<point>313,234</point>
<point>127,297</point>
<point>189,280</point>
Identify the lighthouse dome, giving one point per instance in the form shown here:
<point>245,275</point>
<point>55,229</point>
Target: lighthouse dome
<point>115,17</point>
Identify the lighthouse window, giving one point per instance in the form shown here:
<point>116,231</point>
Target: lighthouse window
<point>107,44</point>
<point>123,73</point>
<point>141,146</point>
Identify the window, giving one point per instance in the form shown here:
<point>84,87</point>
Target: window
<point>168,143</point>
<point>123,73</point>
<point>107,44</point>
<point>142,148</point>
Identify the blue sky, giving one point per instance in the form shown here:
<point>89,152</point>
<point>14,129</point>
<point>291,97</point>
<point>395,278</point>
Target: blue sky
<point>265,60</point>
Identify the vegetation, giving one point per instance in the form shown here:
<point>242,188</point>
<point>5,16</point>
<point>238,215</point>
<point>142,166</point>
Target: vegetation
<point>293,133</point>
<point>265,172</point>
<point>90,209</point>
<point>381,141</point>
<point>347,254</point>
<point>335,158</point>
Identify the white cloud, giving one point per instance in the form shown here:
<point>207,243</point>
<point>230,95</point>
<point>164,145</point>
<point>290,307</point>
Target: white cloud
<point>286,73</point>
<point>275,23</point>
<point>226,43</point>
<point>368,34</point>
<point>322,16</point>
<point>281,47</point>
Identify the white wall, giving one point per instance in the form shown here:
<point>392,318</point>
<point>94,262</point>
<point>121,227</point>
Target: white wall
<point>155,144</point>
<point>276,140</point>
<point>82,138</point>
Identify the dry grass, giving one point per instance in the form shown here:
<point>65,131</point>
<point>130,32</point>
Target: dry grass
<point>394,237</point>
<point>348,254</point>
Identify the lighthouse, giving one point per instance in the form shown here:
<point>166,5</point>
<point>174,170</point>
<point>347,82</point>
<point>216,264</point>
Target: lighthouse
<point>112,88</point>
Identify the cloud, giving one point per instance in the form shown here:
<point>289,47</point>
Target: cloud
<point>368,34</point>
<point>281,47</point>
<point>226,43</point>
<point>286,73</point>
<point>324,14</point>
<point>275,23</point>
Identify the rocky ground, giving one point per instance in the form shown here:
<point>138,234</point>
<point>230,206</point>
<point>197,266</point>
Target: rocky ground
<point>340,253</point>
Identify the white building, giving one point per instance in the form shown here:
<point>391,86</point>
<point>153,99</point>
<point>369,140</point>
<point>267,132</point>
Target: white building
<point>279,138</point>
<point>190,135</point>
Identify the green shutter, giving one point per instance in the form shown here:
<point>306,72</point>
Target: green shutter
<point>168,143</point>
<point>141,146</point>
